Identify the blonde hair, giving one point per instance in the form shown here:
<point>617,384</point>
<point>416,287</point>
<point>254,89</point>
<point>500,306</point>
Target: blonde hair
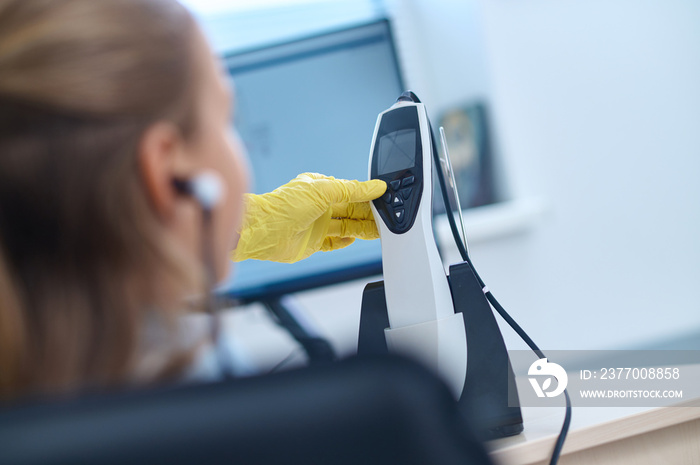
<point>83,259</point>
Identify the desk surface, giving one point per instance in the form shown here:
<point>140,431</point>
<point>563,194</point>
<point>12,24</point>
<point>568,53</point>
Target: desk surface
<point>593,427</point>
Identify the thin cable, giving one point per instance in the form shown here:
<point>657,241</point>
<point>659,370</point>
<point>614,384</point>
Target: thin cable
<point>523,335</point>
<point>284,361</point>
<point>211,305</point>
<point>496,305</point>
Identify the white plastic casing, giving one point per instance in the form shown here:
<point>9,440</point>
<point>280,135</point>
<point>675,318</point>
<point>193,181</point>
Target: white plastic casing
<point>423,324</point>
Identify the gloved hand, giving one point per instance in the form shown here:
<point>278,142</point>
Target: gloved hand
<point>310,213</point>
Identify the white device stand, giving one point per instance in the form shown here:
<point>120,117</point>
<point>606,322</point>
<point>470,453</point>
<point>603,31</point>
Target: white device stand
<point>422,322</point>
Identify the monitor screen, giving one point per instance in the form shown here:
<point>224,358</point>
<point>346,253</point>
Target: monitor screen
<point>311,106</point>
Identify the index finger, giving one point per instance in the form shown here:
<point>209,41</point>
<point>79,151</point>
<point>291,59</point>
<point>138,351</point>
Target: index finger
<point>343,190</point>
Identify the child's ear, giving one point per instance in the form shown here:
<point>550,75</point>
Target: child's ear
<point>161,158</point>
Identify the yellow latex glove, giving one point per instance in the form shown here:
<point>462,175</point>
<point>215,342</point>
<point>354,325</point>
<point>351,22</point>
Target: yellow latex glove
<point>312,212</point>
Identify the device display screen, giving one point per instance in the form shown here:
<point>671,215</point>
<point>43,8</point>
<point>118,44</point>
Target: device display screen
<point>397,151</point>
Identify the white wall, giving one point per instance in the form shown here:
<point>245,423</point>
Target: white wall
<point>441,50</point>
<point>597,110</point>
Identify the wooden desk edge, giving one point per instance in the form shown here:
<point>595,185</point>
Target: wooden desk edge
<point>597,435</point>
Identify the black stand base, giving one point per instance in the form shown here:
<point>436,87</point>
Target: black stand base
<point>490,376</point>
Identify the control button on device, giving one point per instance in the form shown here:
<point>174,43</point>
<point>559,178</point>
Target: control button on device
<point>406,193</point>
<point>387,197</point>
<point>407,181</point>
<point>395,184</point>
<point>399,215</point>
<point>397,201</point>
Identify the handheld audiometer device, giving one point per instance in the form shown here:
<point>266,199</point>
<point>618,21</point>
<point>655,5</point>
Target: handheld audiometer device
<point>422,320</point>
<point>416,292</point>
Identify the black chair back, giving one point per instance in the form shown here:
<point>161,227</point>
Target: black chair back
<point>361,411</point>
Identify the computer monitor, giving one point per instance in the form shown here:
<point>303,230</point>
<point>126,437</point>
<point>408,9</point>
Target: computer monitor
<point>310,105</point>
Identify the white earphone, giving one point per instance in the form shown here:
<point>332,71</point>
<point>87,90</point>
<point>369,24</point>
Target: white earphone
<point>207,188</point>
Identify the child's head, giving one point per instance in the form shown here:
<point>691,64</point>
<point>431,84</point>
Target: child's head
<point>102,104</point>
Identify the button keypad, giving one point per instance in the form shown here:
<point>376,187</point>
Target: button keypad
<point>398,198</point>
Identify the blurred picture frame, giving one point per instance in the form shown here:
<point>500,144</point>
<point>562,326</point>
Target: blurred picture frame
<point>468,136</point>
